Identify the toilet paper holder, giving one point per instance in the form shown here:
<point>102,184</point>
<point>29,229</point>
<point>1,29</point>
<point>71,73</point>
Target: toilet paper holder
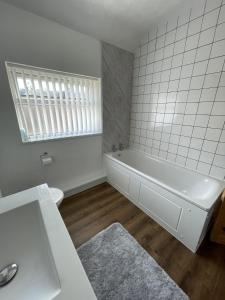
<point>46,159</point>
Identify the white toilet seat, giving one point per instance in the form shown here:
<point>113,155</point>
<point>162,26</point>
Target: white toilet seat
<point>57,195</point>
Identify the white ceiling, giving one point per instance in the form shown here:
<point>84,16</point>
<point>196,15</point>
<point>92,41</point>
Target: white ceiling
<point>119,22</point>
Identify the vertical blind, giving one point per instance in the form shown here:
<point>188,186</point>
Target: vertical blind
<point>52,104</point>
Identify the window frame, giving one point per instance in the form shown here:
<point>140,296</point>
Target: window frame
<point>11,82</point>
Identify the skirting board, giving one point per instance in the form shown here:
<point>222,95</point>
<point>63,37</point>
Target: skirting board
<point>85,185</point>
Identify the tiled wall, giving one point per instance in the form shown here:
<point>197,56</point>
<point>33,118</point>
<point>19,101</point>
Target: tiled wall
<point>117,67</point>
<point>178,97</point>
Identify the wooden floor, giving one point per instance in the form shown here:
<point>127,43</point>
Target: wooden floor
<point>201,275</point>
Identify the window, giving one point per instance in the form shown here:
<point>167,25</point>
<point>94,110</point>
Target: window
<point>51,104</point>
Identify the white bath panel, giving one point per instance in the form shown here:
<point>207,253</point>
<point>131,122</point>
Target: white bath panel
<point>179,200</point>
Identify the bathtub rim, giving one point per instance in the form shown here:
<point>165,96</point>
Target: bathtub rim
<point>167,187</point>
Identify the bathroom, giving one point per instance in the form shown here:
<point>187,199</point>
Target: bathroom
<point>112,152</point>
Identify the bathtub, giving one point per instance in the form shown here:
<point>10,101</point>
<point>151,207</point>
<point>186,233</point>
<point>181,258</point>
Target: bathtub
<point>180,200</point>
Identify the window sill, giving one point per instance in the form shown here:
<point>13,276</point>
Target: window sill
<point>62,138</point>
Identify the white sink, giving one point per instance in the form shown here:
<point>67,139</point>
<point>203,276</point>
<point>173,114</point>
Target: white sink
<point>33,236</point>
<point>24,241</point>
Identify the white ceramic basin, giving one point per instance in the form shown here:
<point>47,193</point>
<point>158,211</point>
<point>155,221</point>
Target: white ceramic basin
<point>33,235</point>
<point>24,241</point>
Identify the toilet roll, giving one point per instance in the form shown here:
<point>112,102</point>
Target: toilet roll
<point>46,160</point>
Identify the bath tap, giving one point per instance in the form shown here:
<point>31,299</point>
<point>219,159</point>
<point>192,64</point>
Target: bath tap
<point>114,148</point>
<point>121,147</point>
<point>8,273</point>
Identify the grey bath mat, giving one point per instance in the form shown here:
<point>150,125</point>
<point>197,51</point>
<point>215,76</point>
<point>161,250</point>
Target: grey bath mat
<point>119,268</point>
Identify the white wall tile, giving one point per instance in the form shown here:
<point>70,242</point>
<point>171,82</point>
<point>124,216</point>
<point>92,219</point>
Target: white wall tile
<point>206,157</point>
<point>222,80</point>
<point>172,22</point>
<point>211,80</point>
<point>183,151</point>
<point>194,95</point>
<point>216,122</point>
<point>170,37</point>
<point>202,120</point>
<point>210,19</point>
<point>220,94</point>
<point>196,143</point>
<point>213,134</point>
<point>160,42</point>
<point>186,70</point>
<point>182,96</point>
<point>191,108</point>
<point>186,130</point>
<point>184,84</point>
<point>208,94</point>
<point>173,85</point>
<point>220,149</point>
<point>220,32</point>
<point>184,141</point>
<point>222,138</point>
<point>167,62</point>
<point>197,9</point>
<point>151,45</point>
<point>218,108</point>
<point>171,156</point>
<point>179,47</point>
<point>203,168</point>
<point>205,108</point>
<point>180,160</point>
<point>183,15</point>
<point>197,82</point>
<point>219,161</point>
<point>192,42</point>
<point>209,146</point>
<point>203,53</point>
<point>195,26</point>
<point>189,120</point>
<point>194,154</point>
<point>217,172</point>
<point>180,108</point>
<point>168,51</point>
<point>206,36</point>
<point>181,32</point>
<point>175,73</point>
<point>218,49</point>
<point>189,57</point>
<point>215,64</point>
<point>200,68</point>
<point>177,60</point>
<point>172,148</point>
<point>198,132</point>
<point>191,164</point>
<point>212,4</point>
<point>222,14</point>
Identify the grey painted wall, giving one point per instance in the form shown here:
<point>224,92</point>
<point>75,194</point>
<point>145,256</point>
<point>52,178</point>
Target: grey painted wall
<point>30,39</point>
<point>117,68</point>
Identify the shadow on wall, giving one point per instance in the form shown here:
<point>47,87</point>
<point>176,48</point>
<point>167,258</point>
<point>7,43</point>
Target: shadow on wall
<point>117,68</point>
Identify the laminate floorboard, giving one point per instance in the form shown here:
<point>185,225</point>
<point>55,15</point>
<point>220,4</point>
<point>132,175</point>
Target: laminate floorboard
<point>200,275</point>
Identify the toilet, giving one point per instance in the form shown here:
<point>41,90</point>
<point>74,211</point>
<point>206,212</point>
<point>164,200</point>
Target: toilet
<point>57,195</point>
